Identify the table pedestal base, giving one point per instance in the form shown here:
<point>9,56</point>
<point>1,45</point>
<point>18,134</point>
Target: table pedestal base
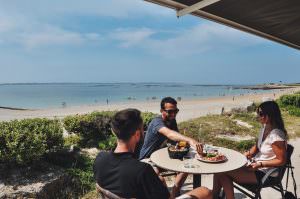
<point>196,180</point>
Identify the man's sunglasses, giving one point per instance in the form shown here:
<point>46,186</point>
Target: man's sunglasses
<point>170,111</point>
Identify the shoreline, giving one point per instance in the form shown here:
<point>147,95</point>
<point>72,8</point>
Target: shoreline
<point>189,108</point>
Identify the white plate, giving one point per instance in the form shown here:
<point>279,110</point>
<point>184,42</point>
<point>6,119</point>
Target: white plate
<point>210,161</point>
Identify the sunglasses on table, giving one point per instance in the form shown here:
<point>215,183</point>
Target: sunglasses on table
<point>170,111</point>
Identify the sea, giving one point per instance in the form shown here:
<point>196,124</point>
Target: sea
<point>55,95</point>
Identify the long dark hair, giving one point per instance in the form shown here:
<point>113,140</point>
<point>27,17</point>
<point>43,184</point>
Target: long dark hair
<point>271,109</point>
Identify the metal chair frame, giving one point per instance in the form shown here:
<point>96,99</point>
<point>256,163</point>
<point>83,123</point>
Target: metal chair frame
<point>253,190</point>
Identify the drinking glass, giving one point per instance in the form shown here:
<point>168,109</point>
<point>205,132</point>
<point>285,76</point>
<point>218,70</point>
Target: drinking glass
<point>188,162</point>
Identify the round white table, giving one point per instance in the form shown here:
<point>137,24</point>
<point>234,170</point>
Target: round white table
<point>234,161</point>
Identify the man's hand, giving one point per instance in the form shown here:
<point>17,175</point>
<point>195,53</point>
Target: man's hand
<point>196,145</point>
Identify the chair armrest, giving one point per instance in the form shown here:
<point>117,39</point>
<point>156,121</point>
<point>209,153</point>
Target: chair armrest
<point>268,174</point>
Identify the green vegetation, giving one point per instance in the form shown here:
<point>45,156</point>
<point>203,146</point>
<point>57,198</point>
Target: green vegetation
<point>25,141</point>
<point>291,124</point>
<point>207,128</point>
<point>83,170</point>
<point>94,130</point>
<point>91,128</point>
<point>290,103</point>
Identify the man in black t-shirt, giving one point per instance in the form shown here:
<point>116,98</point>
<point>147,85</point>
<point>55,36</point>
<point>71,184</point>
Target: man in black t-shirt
<point>125,176</point>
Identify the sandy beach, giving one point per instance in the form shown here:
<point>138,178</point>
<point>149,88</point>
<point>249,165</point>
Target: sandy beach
<point>189,109</point>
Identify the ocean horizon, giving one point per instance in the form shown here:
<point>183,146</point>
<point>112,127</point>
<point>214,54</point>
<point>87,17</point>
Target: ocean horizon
<point>56,95</point>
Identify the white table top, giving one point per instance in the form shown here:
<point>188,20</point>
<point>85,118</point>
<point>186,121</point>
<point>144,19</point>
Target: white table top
<point>234,161</point>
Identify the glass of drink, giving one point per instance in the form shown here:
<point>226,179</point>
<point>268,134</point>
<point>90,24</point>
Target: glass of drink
<point>188,162</point>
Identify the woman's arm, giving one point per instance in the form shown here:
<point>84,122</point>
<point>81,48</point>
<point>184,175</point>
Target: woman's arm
<point>279,148</point>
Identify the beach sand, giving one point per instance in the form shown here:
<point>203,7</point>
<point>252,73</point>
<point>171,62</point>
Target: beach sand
<point>189,109</point>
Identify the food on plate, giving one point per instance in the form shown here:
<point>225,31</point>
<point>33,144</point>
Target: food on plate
<point>213,156</point>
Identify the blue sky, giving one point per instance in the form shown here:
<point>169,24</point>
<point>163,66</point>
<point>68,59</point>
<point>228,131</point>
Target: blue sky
<point>131,41</point>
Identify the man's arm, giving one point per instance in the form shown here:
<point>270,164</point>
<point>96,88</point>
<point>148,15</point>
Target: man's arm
<point>175,136</point>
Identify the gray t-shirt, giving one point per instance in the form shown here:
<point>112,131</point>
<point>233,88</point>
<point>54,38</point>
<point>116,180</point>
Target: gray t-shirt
<point>153,139</point>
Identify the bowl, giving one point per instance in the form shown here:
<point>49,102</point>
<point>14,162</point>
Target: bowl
<point>177,153</point>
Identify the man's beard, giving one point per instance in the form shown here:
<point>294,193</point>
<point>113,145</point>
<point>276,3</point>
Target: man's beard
<point>169,121</point>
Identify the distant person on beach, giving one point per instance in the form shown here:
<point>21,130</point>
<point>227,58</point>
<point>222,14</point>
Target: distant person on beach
<point>267,153</point>
<point>106,101</point>
<point>162,129</point>
<point>121,174</point>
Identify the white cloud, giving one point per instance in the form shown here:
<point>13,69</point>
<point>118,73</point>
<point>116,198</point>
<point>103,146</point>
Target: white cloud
<point>42,26</point>
<point>50,36</point>
<point>53,36</point>
<point>111,8</point>
<point>129,38</point>
<point>191,41</point>
<point>6,24</point>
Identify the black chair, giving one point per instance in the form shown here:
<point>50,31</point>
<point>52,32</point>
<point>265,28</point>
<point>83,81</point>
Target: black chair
<point>253,190</point>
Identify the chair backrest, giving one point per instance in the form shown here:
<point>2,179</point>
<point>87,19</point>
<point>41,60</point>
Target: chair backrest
<point>105,194</point>
<point>289,152</point>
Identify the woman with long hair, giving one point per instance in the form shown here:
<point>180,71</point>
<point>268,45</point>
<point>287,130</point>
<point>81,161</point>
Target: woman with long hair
<point>268,152</point>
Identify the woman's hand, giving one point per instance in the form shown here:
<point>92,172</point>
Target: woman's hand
<point>248,155</point>
<point>256,165</point>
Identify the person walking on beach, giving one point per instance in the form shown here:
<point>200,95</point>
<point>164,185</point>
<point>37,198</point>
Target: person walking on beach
<point>162,129</point>
<point>127,177</point>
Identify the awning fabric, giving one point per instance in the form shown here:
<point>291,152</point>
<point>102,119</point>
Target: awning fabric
<point>277,20</point>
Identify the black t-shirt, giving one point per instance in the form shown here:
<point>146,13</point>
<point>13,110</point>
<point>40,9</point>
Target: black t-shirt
<point>127,177</point>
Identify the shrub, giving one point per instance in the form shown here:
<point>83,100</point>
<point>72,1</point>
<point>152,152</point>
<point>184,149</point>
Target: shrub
<point>25,141</point>
<point>91,128</point>
<point>71,140</point>
<point>147,118</point>
<point>108,144</point>
<point>290,100</point>
<point>290,103</point>
<point>95,129</point>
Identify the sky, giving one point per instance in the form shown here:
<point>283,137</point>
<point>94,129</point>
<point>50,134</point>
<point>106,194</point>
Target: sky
<point>131,41</point>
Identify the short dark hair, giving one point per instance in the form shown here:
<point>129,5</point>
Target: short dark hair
<point>126,122</point>
<point>167,100</point>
